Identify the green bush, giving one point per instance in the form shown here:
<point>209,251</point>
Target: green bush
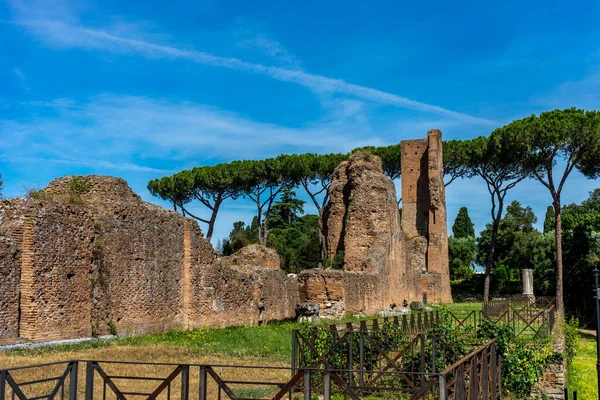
<point>523,359</point>
<point>503,333</point>
<point>570,328</point>
<point>523,363</point>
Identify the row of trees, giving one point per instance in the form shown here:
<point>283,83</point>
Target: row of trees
<point>533,147</point>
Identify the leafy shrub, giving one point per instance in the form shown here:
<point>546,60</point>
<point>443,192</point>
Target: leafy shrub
<point>503,333</point>
<point>570,328</point>
<point>523,363</point>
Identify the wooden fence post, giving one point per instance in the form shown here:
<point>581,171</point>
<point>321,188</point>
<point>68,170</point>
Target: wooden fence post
<point>2,384</point>
<point>294,349</point>
<point>442,384</point>
<point>73,382</point>
<point>203,382</point>
<point>185,382</point>
<point>89,380</point>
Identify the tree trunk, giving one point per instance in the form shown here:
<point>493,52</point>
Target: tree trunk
<point>490,256</point>
<point>322,241</point>
<point>559,259</point>
<point>211,222</point>
<point>264,233</point>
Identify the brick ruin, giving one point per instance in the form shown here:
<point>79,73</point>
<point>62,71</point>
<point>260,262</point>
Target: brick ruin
<point>107,262</point>
<point>387,258</point>
<point>99,260</point>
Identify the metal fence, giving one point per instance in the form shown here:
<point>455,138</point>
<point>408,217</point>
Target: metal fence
<point>126,380</point>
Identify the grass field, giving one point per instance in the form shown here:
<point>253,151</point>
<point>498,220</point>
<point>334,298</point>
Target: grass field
<point>582,373</point>
<point>242,346</point>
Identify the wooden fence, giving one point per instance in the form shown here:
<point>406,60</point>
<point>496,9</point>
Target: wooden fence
<point>127,380</point>
<point>525,321</point>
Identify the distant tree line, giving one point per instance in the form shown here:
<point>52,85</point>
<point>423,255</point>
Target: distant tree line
<point>533,147</point>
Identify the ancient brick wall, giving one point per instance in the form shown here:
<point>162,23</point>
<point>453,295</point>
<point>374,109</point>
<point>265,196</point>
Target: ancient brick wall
<point>99,260</point>
<point>47,266</point>
<point>10,268</point>
<point>139,249</point>
<point>241,289</point>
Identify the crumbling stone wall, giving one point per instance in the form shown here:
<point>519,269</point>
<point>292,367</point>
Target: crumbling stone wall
<point>137,274</point>
<point>99,260</point>
<point>48,254</point>
<point>386,259</point>
<point>10,269</point>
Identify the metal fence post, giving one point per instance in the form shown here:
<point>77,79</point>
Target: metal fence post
<point>327,385</point>
<point>185,382</point>
<point>73,382</point>
<point>307,393</point>
<point>89,380</point>
<point>203,382</point>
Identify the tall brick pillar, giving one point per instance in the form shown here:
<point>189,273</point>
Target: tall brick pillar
<point>425,240</point>
<point>437,248</point>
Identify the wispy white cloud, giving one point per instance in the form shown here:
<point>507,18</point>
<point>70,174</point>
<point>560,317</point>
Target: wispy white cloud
<point>96,164</point>
<point>19,74</point>
<point>250,35</point>
<point>270,47</point>
<point>113,127</point>
<point>71,34</point>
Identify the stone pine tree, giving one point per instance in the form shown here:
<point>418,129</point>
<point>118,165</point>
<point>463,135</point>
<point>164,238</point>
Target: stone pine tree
<point>463,227</point>
<point>453,163</point>
<point>495,159</point>
<point>549,220</point>
<point>571,136</point>
<point>210,185</point>
<point>263,181</point>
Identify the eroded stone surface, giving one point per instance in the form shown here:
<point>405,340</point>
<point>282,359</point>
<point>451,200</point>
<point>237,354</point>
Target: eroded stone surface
<point>101,260</point>
<point>386,259</point>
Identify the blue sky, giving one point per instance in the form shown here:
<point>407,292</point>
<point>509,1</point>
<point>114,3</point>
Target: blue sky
<point>143,89</point>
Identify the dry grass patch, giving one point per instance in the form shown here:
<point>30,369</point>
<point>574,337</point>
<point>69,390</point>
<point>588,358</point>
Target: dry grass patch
<point>155,354</point>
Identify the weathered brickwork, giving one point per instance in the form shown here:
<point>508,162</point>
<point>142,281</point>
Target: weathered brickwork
<point>386,259</point>
<point>103,261</point>
<point>10,268</point>
<point>424,230</point>
<point>49,260</point>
